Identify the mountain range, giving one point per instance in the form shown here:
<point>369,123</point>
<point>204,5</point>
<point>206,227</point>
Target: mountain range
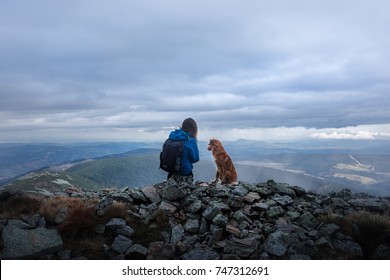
<point>40,167</point>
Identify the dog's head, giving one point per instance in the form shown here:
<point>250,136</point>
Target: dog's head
<point>214,144</point>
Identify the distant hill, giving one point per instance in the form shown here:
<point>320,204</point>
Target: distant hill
<point>131,169</point>
<point>17,159</point>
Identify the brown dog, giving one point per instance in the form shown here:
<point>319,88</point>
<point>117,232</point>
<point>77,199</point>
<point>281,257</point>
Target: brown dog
<point>226,172</point>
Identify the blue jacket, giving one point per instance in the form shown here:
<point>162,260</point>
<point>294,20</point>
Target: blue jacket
<point>190,150</point>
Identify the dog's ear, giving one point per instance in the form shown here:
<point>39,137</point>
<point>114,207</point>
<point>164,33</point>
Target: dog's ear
<point>216,142</point>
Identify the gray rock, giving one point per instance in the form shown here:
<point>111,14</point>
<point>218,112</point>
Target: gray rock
<point>183,182</point>
<point>219,191</point>
<point>348,247</point>
<point>136,251</point>
<point>116,223</point>
<point>298,190</point>
<point>327,230</point>
<point>321,211</point>
<point>177,188</point>
<point>177,234</point>
<point>188,200</point>
<point>151,193</point>
<point>239,216</point>
<point>61,215</point>
<point>282,189</point>
<point>270,203</point>
<point>210,212</point>
<point>261,206</point>
<point>103,205</point>
<point>201,253</point>
<point>167,208</point>
<point>127,231</point>
<point>23,243</point>
<point>194,207</point>
<point>172,193</point>
<point>242,247</point>
<point>340,203</point>
<point>344,193</point>
<point>121,197</point>
<point>284,226</point>
<point>191,226</point>
<point>371,204</point>
<point>220,220</point>
<point>271,183</point>
<point>308,220</point>
<point>283,200</point>
<point>42,222</point>
<point>251,197</point>
<point>275,211</point>
<point>222,206</point>
<point>204,227</point>
<point>233,230</point>
<point>324,242</point>
<point>276,243</point>
<point>34,220</point>
<point>263,191</point>
<point>137,195</point>
<point>293,214</point>
<point>190,241</point>
<point>121,244</point>
<point>216,233</point>
<point>240,191</point>
<point>235,201</point>
<point>248,186</point>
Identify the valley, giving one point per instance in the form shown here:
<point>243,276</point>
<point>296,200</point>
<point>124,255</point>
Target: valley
<point>138,166</point>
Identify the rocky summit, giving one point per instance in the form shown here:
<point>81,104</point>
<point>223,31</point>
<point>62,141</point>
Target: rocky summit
<point>180,219</point>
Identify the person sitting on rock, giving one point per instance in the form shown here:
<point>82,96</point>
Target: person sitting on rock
<point>186,135</point>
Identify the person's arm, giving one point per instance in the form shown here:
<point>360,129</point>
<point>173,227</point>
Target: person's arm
<point>194,151</point>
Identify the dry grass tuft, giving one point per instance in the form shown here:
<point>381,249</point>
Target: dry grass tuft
<point>366,228</point>
<point>78,214</point>
<point>370,230</point>
<point>80,218</point>
<point>16,205</point>
<point>92,249</point>
<point>161,218</point>
<point>52,205</point>
<point>117,210</point>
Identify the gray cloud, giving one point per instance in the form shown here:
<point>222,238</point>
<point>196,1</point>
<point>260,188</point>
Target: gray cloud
<point>131,64</point>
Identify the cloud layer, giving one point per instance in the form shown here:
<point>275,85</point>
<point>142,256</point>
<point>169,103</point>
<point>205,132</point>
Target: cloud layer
<point>133,70</point>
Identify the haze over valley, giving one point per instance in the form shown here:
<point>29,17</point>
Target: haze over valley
<point>40,167</point>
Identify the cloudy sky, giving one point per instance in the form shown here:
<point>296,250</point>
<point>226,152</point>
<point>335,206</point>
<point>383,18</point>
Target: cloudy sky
<point>254,69</point>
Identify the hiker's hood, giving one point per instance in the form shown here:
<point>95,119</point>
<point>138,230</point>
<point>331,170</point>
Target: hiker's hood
<point>179,134</point>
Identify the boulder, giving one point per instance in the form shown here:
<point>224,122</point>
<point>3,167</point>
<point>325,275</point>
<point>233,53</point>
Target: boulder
<point>276,243</point>
<point>23,242</point>
<point>121,244</point>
